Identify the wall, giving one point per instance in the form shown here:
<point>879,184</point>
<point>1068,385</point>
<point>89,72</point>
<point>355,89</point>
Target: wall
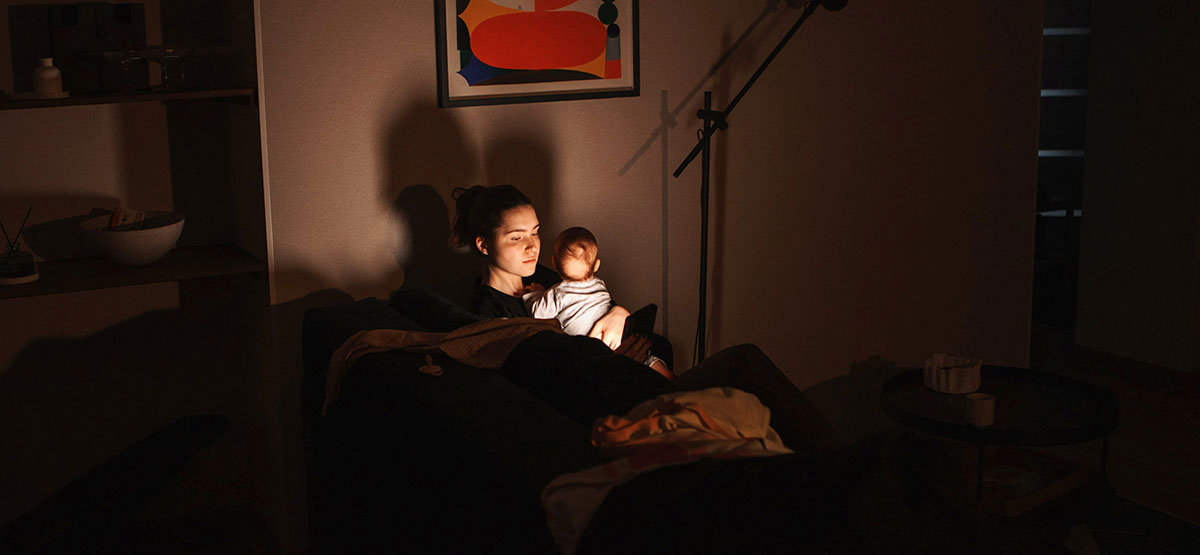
<point>891,212</point>
<point>874,195</point>
<point>878,180</point>
<point>1139,240</point>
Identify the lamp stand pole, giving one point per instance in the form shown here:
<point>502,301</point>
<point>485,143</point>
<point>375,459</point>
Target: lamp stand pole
<point>715,120</point>
<point>705,164</point>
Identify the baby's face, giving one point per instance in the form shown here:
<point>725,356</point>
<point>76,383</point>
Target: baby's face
<point>572,268</point>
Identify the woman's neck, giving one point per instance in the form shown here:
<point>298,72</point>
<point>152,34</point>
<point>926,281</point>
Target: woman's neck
<point>502,281</point>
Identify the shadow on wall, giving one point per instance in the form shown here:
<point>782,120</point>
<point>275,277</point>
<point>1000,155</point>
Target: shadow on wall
<point>733,59</point>
<point>429,263</point>
<point>52,232</point>
<point>850,402</point>
<point>428,156</point>
<point>670,116</point>
<point>525,161</point>
<point>67,404</point>
<point>426,146</point>
<point>718,182</point>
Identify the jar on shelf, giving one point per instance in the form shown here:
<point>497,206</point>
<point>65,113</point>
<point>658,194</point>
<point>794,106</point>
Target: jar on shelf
<point>47,79</point>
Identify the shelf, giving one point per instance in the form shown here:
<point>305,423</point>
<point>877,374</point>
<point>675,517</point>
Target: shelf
<point>1066,31</point>
<point>23,104</point>
<point>1063,93</point>
<point>1059,153</point>
<point>85,274</point>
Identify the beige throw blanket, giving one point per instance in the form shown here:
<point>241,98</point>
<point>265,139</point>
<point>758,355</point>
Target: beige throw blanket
<point>484,344</point>
<point>671,429</point>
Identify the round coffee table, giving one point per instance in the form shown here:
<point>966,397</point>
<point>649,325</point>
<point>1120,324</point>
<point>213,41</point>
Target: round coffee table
<point>1032,409</point>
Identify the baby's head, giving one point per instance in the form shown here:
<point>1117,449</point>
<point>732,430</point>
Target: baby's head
<point>575,254</point>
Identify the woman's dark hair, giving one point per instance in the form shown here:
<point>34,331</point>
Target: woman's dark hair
<point>478,211</point>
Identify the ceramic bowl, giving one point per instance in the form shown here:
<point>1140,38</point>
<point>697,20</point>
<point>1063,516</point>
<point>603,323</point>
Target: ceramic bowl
<point>953,375</point>
<point>134,244</point>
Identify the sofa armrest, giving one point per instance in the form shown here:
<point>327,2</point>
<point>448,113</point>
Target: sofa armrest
<point>325,329</point>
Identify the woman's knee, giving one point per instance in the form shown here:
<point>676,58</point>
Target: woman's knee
<point>732,367</point>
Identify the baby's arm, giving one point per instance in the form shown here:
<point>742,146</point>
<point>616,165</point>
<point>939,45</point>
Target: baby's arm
<point>540,303</point>
<point>611,327</point>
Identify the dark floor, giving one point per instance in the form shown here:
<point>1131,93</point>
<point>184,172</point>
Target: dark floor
<point>1154,454</point>
<point>1129,527</point>
<point>235,531</point>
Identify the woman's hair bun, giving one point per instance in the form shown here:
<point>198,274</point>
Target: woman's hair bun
<point>478,211</point>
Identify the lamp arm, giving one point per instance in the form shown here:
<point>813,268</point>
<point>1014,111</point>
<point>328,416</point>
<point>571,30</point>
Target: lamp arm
<point>709,131</point>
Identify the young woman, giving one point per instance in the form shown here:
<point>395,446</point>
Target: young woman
<point>500,224</point>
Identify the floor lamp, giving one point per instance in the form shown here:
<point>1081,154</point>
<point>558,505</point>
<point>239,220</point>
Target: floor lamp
<point>715,120</point>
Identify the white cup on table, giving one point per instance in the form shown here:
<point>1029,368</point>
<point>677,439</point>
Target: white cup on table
<point>981,409</point>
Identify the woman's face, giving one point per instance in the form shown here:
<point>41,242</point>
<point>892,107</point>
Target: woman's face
<point>515,246</point>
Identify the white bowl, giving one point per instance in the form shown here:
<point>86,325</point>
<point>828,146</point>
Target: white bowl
<point>952,374</point>
<point>154,238</point>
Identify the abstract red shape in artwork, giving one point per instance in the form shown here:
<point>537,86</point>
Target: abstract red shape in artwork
<point>538,40</point>
<point>612,69</point>
<point>547,5</point>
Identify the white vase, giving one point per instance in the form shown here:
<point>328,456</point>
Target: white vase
<point>47,79</point>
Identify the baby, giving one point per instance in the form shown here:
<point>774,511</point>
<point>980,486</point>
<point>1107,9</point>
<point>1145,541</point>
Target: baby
<point>580,298</point>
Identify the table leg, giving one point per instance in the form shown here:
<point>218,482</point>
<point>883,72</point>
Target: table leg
<point>979,474</point>
<point>1104,457</point>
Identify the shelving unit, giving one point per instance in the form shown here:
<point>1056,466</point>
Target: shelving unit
<point>215,159</point>
<point>1061,155</point>
<point>187,334</point>
<point>245,94</point>
<point>84,274</point>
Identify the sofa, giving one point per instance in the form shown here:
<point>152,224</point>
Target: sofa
<point>405,461</point>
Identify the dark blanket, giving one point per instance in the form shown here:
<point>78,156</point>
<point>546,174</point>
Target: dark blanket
<point>407,462</point>
<point>581,377</point>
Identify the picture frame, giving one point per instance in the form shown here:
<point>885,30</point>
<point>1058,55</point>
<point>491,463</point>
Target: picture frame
<point>517,51</point>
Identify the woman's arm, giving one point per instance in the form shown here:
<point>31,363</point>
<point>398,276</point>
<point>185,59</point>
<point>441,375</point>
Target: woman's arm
<point>610,327</point>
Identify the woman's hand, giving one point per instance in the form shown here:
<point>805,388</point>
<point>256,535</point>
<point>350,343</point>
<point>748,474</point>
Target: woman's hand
<point>610,327</point>
<point>637,348</point>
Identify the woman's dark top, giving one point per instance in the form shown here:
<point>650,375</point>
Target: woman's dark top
<point>487,302</point>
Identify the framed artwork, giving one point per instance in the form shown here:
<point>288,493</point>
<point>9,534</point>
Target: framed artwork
<point>508,51</point>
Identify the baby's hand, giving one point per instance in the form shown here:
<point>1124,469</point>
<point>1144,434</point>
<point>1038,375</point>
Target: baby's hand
<point>533,288</point>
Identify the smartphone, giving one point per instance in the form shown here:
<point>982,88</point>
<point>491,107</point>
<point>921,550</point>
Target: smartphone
<point>641,322</point>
